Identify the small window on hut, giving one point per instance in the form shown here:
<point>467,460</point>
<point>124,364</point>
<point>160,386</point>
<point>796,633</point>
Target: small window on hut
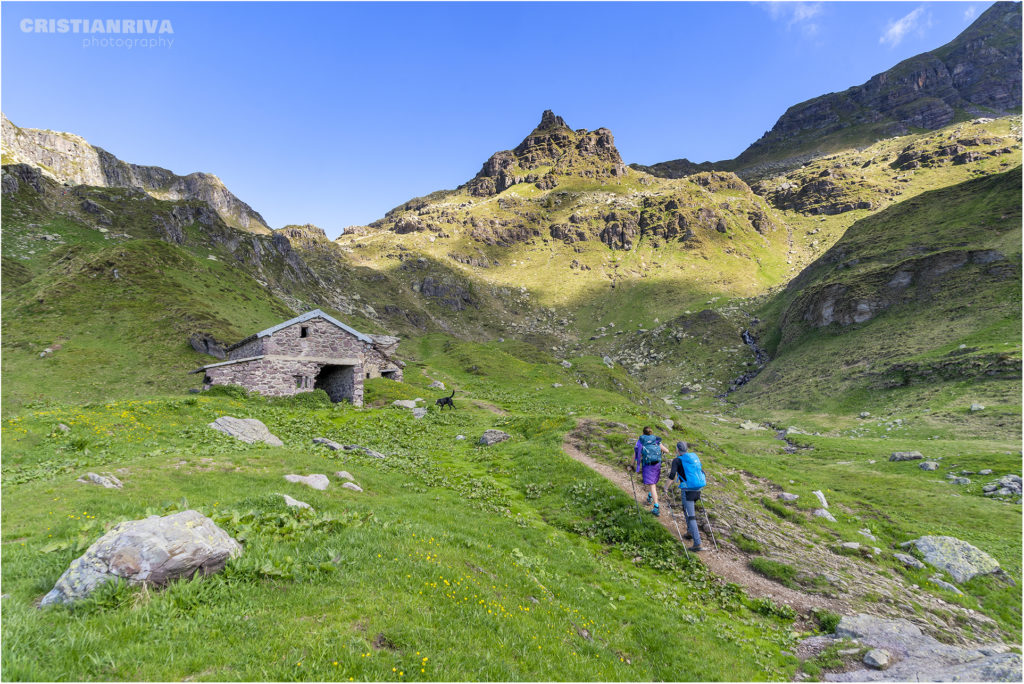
<point>299,381</point>
<point>303,331</point>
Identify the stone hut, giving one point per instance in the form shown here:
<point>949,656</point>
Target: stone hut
<point>311,351</point>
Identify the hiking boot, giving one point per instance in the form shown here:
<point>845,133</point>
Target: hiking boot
<point>688,536</point>
<point>648,498</point>
<point>696,549</point>
<point>655,510</point>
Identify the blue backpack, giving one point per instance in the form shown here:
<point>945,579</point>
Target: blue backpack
<point>693,475</point>
<point>650,449</point>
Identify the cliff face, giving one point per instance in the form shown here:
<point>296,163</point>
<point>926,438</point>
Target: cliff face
<point>69,158</point>
<point>978,73</point>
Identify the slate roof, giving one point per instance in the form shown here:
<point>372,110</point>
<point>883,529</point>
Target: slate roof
<point>315,313</point>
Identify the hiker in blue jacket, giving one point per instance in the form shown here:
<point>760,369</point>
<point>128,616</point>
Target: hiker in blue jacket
<point>647,454</point>
<point>687,462</point>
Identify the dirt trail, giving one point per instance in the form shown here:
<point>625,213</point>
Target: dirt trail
<point>727,563</point>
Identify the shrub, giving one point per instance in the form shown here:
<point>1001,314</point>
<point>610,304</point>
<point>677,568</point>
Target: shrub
<point>780,572</point>
<point>827,620</point>
<point>745,543</point>
<point>304,400</point>
<point>232,391</point>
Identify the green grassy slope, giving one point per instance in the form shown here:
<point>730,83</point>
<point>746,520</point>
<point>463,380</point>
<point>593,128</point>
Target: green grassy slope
<point>920,294</point>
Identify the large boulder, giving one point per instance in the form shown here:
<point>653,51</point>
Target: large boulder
<point>493,437</point>
<point>961,560</point>
<point>316,480</point>
<point>248,430</point>
<point>155,550</point>
<point>906,456</point>
<point>914,656</point>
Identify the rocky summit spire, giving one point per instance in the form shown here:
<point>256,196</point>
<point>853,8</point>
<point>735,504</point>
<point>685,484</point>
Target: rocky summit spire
<point>549,121</point>
<point>550,151</point>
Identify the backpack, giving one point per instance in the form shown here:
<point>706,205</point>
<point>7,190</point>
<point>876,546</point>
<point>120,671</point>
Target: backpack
<point>693,473</point>
<point>650,449</point>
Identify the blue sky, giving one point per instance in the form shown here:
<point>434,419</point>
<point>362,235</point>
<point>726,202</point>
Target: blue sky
<point>332,113</point>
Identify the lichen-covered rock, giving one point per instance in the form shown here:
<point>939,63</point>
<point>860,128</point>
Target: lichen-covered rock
<point>493,437</point>
<point>155,550</point>
<point>344,475</point>
<point>353,486</point>
<point>316,480</point>
<point>877,658</point>
<point>419,412</point>
<point>908,560</point>
<point>822,513</point>
<point>786,496</point>
<point>329,443</point>
<point>248,430</point>
<point>961,560</point>
<point>906,456</point>
<point>295,503</point>
<point>108,481</point>
<point>929,465</point>
<point>404,403</point>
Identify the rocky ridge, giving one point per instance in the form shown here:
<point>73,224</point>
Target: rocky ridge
<point>71,160</point>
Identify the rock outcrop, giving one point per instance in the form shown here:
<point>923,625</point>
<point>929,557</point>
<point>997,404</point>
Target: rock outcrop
<point>155,551</point>
<point>960,559</point>
<point>68,158</point>
<point>911,655</point>
<point>248,430</point>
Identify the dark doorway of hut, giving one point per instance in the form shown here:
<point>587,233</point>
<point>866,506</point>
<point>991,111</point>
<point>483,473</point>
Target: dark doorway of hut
<point>337,381</point>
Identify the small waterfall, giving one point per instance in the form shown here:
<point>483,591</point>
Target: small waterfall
<point>760,358</point>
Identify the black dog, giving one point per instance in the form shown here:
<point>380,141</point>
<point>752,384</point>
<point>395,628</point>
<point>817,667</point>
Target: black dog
<point>446,401</point>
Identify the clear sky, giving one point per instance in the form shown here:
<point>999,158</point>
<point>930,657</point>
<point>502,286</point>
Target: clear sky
<point>332,113</point>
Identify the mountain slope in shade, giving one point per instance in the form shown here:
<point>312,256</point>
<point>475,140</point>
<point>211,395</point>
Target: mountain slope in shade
<point>976,74</point>
<point>70,159</point>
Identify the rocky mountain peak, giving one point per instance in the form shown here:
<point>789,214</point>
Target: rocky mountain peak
<point>550,151</point>
<point>548,121</point>
<point>68,158</point>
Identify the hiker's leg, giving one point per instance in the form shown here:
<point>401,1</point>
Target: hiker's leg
<point>691,520</point>
<point>654,494</point>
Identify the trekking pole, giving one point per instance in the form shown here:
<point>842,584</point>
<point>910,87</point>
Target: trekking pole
<point>635,499</point>
<point>708,521</point>
<point>671,515</point>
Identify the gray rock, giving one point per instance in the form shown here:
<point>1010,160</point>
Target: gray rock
<point>608,362</point>
<point>908,561</point>
<point>344,475</point>
<point>64,428</point>
<point>929,465</point>
<point>906,456</point>
<point>556,384</point>
<point>986,471</point>
<point>786,496</point>
<point>961,560</point>
<point>353,486</point>
<point>793,431</point>
<point>821,497</point>
<point>366,450</point>
<point>248,430</point>
<point>822,513</point>
<point>437,384</point>
<point>668,423</point>
<point>566,364</point>
<point>750,425</point>
<point>108,481</point>
<point>938,581</point>
<point>960,481</point>
<point>460,437</point>
<point>493,437</point>
<point>877,658</point>
<point>977,407</point>
<point>867,533</point>
<point>295,503</point>
<point>155,550</point>
<point>852,546</point>
<point>316,480</point>
<point>418,413</point>
<point>330,444</point>
<point>404,403</point>
<point>865,414</point>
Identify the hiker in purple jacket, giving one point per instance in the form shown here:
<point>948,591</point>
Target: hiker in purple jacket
<point>647,453</point>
